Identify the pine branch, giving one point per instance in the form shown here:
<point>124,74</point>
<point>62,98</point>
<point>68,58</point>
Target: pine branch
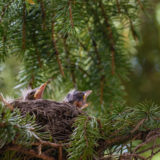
<point>30,152</point>
<point>100,68</point>
<point>70,63</point>
<point>24,26</point>
<point>140,4</point>
<point>56,51</point>
<point>43,14</point>
<point>70,13</point>
<point>4,9</point>
<point>110,34</point>
<point>118,6</point>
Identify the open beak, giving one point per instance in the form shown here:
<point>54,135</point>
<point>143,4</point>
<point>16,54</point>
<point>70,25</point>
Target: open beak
<point>87,93</point>
<point>40,90</point>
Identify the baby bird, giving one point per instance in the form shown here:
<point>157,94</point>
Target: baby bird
<point>33,94</point>
<point>77,98</point>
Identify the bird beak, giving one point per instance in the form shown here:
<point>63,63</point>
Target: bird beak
<point>87,93</point>
<point>40,90</point>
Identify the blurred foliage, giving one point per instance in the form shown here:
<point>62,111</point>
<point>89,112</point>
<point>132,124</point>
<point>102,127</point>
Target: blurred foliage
<point>145,77</point>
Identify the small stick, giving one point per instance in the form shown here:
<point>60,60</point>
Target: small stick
<point>6,103</point>
<point>60,153</point>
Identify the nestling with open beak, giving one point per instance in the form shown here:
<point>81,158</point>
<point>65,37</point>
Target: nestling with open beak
<point>33,94</point>
<point>77,98</point>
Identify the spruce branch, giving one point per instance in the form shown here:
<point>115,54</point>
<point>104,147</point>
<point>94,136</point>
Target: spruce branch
<point>110,34</point>
<point>56,51</point>
<point>24,26</point>
<point>30,152</point>
<point>70,13</point>
<point>140,4</point>
<point>70,63</point>
<point>43,12</point>
<point>4,9</point>
<point>60,157</point>
<point>118,6</point>
<point>100,68</point>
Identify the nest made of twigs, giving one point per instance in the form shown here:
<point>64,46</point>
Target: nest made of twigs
<point>55,117</point>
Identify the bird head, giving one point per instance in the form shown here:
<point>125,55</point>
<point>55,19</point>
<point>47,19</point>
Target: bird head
<point>33,94</point>
<point>77,98</point>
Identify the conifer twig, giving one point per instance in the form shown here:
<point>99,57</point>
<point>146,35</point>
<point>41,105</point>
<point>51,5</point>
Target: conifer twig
<point>4,10</point>
<point>30,152</point>
<point>99,66</point>
<point>6,103</point>
<point>85,133</point>
<point>118,6</point>
<point>24,26</point>
<point>43,14</point>
<point>133,29</point>
<point>140,4</point>
<point>110,34</point>
<point>48,143</point>
<point>70,13</point>
<point>60,157</point>
<point>56,51</point>
<point>102,81</point>
<point>69,62</point>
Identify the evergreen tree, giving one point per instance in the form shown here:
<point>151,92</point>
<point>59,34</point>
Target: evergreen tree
<point>79,44</point>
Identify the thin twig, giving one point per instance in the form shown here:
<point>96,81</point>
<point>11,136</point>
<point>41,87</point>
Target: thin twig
<point>47,143</point>
<point>153,154</point>
<point>110,34</point>
<point>138,125</point>
<point>100,126</point>
<point>133,155</point>
<point>69,62</point>
<point>147,149</point>
<point>30,152</point>
<point>60,157</point>
<point>70,13</point>
<point>40,149</point>
<point>4,10</point>
<point>6,103</point>
<point>140,4</point>
<point>147,141</point>
<point>56,51</point>
<point>24,26</point>
<point>85,133</point>
<point>43,14</point>
<point>102,82</point>
<point>118,6</point>
<point>99,66</point>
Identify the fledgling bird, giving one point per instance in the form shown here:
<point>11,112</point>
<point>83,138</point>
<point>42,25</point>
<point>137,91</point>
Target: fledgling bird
<point>33,94</point>
<point>29,94</point>
<point>77,98</point>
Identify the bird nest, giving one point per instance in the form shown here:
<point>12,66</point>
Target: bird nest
<point>55,117</point>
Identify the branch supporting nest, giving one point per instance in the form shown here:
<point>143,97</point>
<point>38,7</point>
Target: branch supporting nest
<point>30,152</point>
